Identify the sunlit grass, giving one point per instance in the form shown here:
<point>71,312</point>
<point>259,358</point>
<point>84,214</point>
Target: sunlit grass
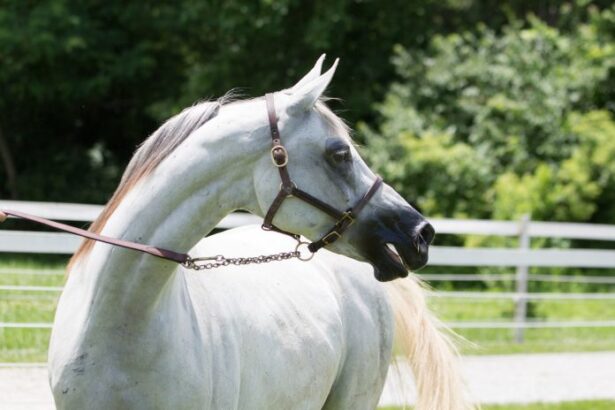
<point>502,341</point>
<point>572,405</point>
<point>28,345</point>
<point>17,345</point>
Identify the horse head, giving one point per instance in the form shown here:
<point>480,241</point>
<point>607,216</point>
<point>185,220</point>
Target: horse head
<point>322,161</point>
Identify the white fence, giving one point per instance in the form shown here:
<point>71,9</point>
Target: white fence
<point>522,257</point>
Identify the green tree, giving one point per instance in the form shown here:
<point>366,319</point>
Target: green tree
<point>75,78</point>
<point>508,118</point>
<point>81,83</point>
<point>580,188</point>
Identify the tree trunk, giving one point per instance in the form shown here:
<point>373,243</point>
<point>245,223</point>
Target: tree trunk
<point>9,166</point>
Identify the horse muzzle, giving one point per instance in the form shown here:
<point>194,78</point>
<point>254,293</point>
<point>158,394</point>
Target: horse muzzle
<point>396,244</point>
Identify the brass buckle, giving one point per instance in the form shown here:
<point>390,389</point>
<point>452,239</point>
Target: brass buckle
<point>331,237</point>
<point>280,147</point>
<point>346,216</point>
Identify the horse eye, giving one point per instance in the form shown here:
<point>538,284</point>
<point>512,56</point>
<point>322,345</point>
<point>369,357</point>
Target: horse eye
<point>338,151</point>
<point>341,155</point>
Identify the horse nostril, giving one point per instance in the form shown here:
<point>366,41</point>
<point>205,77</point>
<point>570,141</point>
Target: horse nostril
<point>426,232</point>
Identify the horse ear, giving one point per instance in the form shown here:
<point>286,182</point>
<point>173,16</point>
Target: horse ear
<point>312,75</point>
<point>304,98</point>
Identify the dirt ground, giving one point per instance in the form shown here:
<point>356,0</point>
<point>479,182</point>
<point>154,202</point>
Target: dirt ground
<point>491,379</point>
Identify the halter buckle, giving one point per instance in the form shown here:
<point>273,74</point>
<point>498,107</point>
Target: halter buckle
<point>346,216</point>
<point>273,158</point>
<point>331,237</point>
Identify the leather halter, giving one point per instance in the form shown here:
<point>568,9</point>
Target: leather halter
<point>279,157</point>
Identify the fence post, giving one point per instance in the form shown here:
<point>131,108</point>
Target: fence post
<point>521,280</point>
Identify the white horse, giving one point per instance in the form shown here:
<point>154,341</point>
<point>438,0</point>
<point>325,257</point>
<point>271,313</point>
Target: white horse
<point>137,332</point>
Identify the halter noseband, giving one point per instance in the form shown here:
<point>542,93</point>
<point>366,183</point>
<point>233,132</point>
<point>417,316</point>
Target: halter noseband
<point>279,157</point>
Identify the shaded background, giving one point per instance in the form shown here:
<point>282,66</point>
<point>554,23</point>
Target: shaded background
<point>455,100</point>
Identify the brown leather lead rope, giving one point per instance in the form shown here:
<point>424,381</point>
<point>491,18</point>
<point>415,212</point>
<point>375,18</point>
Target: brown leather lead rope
<point>152,250</point>
<point>201,263</point>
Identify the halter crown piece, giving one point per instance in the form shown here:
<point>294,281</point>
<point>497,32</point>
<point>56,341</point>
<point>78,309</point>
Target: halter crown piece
<point>279,157</point>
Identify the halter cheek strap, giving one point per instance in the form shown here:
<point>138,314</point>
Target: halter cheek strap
<point>279,157</point>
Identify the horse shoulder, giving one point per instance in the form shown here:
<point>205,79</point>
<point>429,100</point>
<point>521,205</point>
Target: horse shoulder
<point>281,324</point>
<point>369,328</point>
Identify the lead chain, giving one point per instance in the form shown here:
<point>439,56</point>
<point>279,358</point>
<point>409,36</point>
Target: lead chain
<point>219,260</point>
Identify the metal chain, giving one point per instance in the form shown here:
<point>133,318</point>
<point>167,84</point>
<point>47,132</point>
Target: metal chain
<point>219,260</point>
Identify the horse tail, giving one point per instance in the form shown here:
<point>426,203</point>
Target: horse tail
<point>423,341</point>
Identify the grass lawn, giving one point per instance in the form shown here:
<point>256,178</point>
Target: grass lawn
<point>501,341</point>
<point>30,345</point>
<point>573,405</point>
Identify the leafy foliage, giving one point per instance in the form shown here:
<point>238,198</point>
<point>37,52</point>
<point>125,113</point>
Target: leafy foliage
<point>572,189</point>
<point>74,79</point>
<point>492,124</point>
<point>83,82</point>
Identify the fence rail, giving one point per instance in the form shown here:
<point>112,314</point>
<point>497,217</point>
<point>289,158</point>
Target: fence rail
<point>83,212</point>
<point>508,277</point>
<point>453,325</point>
<point>531,325</point>
<point>522,258</point>
<point>524,296</point>
<point>63,243</point>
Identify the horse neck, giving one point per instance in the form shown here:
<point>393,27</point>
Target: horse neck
<point>204,179</point>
